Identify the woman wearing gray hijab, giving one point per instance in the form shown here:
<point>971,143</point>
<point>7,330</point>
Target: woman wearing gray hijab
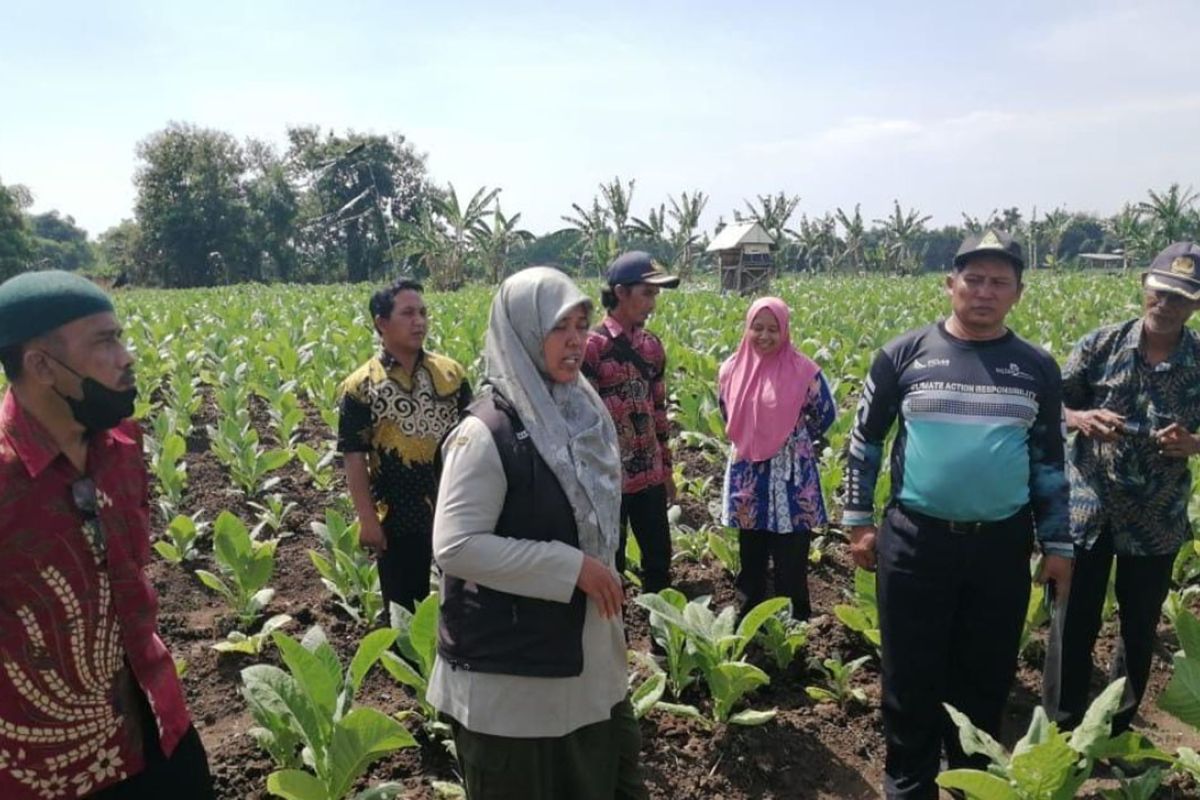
<point>532,667</point>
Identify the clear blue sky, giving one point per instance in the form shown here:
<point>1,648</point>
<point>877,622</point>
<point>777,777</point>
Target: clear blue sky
<point>946,106</point>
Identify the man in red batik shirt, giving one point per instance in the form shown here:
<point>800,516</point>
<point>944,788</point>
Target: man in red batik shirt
<point>90,705</point>
<point>627,365</point>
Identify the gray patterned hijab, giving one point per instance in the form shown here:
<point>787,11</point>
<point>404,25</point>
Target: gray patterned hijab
<point>569,425</point>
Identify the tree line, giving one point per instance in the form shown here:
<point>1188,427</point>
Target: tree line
<point>213,210</point>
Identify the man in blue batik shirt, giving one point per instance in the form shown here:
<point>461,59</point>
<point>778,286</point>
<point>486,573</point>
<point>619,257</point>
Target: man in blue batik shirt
<point>976,471</point>
<point>1132,394</point>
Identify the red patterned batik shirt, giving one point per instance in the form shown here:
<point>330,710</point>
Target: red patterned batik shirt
<point>627,369</point>
<point>77,617</point>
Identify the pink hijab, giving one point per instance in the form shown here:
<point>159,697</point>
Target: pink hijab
<point>764,394</point>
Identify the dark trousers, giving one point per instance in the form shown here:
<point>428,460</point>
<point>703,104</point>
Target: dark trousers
<point>646,513</point>
<point>404,567</point>
<point>1142,585</point>
<point>183,775</point>
<point>789,552</point>
<point>596,762</point>
<point>951,609</point>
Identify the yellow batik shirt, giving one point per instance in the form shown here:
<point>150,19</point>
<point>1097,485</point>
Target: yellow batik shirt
<point>398,420</point>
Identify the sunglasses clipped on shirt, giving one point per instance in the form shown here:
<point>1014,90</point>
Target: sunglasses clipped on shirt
<point>83,494</point>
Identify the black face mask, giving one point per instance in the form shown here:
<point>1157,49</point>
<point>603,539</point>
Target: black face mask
<point>101,408</point>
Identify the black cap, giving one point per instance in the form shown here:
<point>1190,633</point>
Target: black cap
<point>1176,270</point>
<point>990,242</point>
<point>638,267</point>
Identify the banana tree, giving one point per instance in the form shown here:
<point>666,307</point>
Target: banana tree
<point>496,241</point>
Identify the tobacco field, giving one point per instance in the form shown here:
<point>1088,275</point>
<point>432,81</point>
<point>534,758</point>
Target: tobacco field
<point>300,687</point>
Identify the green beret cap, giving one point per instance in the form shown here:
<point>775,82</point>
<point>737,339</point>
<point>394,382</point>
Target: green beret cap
<point>34,303</point>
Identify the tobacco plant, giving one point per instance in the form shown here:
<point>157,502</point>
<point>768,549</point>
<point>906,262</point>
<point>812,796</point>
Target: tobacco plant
<point>837,684</point>
<point>346,569</point>
<point>416,639</point>
<point>783,637</point>
<point>696,639</point>
<point>307,721</point>
<point>252,643</point>
<point>180,537</point>
<point>246,567</point>
<point>1046,764</point>
<point>862,616</point>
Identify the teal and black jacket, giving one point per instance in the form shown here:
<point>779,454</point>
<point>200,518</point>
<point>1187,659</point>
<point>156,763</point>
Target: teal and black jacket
<point>981,433</point>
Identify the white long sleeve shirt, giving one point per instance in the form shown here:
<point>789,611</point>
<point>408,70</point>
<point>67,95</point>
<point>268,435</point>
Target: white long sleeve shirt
<point>470,499</point>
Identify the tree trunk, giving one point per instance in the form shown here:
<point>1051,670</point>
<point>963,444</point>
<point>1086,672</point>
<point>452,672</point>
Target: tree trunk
<point>356,262</point>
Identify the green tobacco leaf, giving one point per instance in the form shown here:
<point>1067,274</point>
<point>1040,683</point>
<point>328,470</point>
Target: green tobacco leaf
<point>236,642</point>
<point>368,652</point>
<point>258,566</point>
<point>820,695</point>
<point>730,681</point>
<point>1043,770</point>
<point>659,605</point>
<point>752,717</point>
<point>1181,698</point>
<point>978,785</point>
<point>1129,746</point>
<point>1143,787</point>
<point>649,693</point>
<point>699,621</point>
<point>274,459</point>
<point>173,448</point>
<point>852,617</point>
<point>864,587</point>
<point>279,706</point>
<point>1097,720</point>
<point>231,540</point>
<point>359,738</point>
<point>1188,760</point>
<point>402,671</point>
<point>324,568</point>
<point>213,582</point>
<point>1187,628</point>
<point>292,784</point>
<point>317,673</point>
<point>755,618</point>
<point>168,551</point>
<point>423,632</point>
<point>674,597</point>
<point>974,740</point>
<point>679,710</point>
<point>307,454</point>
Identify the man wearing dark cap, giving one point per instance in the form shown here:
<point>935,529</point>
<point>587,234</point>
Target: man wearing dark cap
<point>627,365</point>
<point>1132,394</point>
<point>976,474</point>
<point>90,704</point>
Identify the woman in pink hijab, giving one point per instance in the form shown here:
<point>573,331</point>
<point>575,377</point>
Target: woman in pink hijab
<point>776,405</point>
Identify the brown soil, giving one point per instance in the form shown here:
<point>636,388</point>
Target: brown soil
<point>809,750</point>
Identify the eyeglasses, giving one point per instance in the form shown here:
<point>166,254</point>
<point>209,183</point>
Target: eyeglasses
<point>83,494</point>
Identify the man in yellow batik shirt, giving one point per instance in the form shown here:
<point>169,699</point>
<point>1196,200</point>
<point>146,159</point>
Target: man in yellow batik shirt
<point>395,409</point>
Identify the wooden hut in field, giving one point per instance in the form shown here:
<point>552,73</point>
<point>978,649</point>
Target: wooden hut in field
<point>1104,261</point>
<point>744,257</point>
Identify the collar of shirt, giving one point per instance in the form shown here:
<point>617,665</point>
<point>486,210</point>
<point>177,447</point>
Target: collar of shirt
<point>389,361</point>
<point>1184,355</point>
<point>615,328</point>
<point>32,443</point>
